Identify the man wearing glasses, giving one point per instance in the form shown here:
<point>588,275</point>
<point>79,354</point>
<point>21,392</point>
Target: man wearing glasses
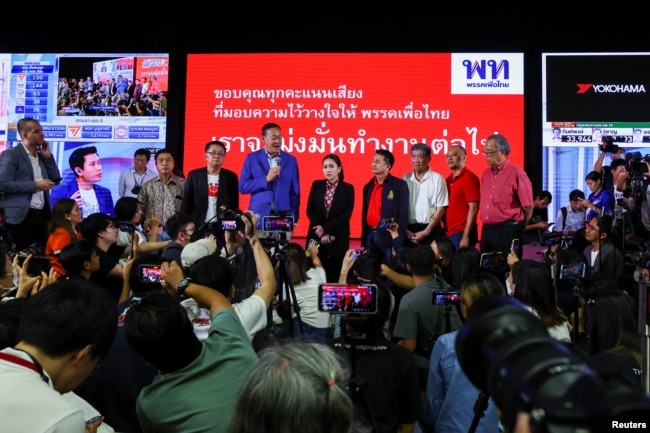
<point>180,228</point>
<point>602,255</point>
<point>271,177</point>
<point>506,200</point>
<point>210,190</point>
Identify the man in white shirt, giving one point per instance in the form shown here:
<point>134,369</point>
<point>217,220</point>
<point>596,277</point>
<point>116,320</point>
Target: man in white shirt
<point>428,197</point>
<point>132,179</point>
<point>65,330</point>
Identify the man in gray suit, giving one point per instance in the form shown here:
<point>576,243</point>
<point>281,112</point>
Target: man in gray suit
<point>27,174</point>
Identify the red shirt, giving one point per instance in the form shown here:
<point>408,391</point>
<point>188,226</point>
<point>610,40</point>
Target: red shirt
<point>463,189</point>
<point>58,239</point>
<point>504,192</point>
<point>374,206</point>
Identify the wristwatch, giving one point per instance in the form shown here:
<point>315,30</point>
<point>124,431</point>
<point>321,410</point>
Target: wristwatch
<point>182,285</point>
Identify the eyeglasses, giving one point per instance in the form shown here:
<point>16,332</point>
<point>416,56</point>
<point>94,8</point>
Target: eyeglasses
<point>216,154</point>
<point>594,228</point>
<point>418,157</point>
<point>274,137</point>
<point>490,152</point>
<point>188,230</point>
<point>111,226</point>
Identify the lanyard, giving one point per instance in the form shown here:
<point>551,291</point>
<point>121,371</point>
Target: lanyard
<point>33,365</point>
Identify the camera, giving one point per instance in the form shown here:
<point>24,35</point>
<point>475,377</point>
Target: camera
<point>150,274</point>
<point>506,352</point>
<point>358,253</point>
<point>609,147</point>
<point>446,297</point>
<point>347,298</point>
<point>231,220</point>
<point>136,189</point>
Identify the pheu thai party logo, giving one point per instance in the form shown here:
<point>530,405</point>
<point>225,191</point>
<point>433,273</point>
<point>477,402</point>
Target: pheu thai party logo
<point>487,73</point>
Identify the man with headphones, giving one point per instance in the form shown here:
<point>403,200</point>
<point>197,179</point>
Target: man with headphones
<point>180,228</point>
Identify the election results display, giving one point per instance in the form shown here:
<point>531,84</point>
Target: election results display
<point>53,88</point>
<point>351,104</point>
<point>586,96</point>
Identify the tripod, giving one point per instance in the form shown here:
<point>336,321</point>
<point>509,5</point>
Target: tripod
<point>284,305</point>
<point>357,385</point>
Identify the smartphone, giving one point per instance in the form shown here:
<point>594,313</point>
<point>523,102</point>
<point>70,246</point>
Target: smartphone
<point>446,297</point>
<point>347,298</point>
<point>385,223</point>
<point>574,271</point>
<point>514,246</point>
<point>620,201</point>
<point>37,264</point>
<point>278,224</point>
<point>492,260</point>
<point>150,273</point>
<point>358,253</point>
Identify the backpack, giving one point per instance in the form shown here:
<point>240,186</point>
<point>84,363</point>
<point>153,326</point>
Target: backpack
<point>564,214</point>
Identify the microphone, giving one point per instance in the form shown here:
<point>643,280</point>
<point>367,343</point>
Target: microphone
<point>276,161</point>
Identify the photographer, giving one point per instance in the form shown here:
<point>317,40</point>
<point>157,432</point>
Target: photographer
<point>389,395</point>
<point>418,320</point>
<point>606,145</point>
<point>449,391</point>
<point>305,281</point>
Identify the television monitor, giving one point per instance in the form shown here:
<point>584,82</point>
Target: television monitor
<point>586,96</point>
<point>351,104</point>
<point>40,86</point>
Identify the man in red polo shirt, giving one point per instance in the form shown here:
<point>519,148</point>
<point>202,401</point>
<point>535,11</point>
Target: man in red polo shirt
<point>464,193</point>
<point>506,202</point>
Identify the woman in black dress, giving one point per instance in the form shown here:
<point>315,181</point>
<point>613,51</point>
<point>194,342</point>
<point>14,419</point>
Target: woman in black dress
<point>329,209</point>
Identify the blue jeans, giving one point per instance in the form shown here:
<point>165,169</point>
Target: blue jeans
<point>378,243</point>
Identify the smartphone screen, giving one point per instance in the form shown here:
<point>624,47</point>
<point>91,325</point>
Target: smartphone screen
<point>515,246</point>
<point>347,298</point>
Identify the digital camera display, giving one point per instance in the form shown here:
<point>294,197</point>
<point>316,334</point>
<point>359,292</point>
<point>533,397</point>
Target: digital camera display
<point>150,274</point>
<point>347,298</point>
<point>229,225</point>
<point>446,297</point>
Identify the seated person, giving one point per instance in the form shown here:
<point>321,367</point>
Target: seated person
<point>79,259</point>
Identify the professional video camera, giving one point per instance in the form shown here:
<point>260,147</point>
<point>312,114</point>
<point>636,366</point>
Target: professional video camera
<point>507,352</point>
<point>609,147</point>
<point>638,163</point>
<point>637,252</point>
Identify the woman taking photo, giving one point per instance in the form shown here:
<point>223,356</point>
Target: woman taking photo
<point>305,281</point>
<point>66,215</point>
<point>329,208</point>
